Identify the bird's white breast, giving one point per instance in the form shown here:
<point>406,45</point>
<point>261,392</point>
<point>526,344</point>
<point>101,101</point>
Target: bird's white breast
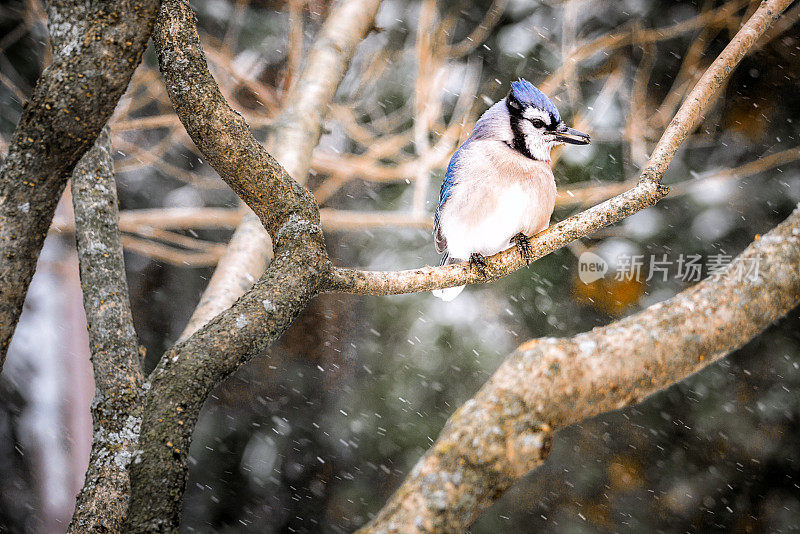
<point>498,193</point>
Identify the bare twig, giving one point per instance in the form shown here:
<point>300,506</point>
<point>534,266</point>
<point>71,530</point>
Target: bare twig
<point>295,55</point>
<point>427,87</point>
<point>180,218</point>
<point>146,222</point>
<point>607,43</point>
<point>742,171</point>
<point>689,72</point>
<point>637,117</point>
<point>479,34</point>
<point>172,255</point>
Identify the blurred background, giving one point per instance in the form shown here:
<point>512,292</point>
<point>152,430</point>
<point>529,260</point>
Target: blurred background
<point>315,434</point>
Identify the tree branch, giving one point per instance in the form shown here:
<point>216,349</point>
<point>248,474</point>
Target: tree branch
<point>295,134</point>
<point>505,430</point>
<point>152,221</point>
<point>479,34</point>
<point>97,47</point>
<point>116,410</point>
<point>189,371</point>
<point>643,195</point>
<point>646,193</point>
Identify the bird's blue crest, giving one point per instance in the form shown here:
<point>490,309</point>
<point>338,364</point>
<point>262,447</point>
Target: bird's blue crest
<point>527,94</point>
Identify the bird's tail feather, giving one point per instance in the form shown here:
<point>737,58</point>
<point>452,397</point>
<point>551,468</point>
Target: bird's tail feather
<point>449,293</point>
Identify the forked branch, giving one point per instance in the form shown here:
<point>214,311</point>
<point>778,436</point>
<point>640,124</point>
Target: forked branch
<point>295,134</point>
<point>188,372</point>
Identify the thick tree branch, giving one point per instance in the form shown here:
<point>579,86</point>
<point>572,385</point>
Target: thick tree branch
<point>220,133</point>
<point>188,372</point>
<point>295,134</point>
<point>645,194</point>
<point>547,384</point>
<point>116,410</point>
<point>97,47</point>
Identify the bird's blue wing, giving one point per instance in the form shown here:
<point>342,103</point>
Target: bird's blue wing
<point>444,194</point>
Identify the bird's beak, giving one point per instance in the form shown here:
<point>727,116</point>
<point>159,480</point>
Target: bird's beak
<point>572,136</point>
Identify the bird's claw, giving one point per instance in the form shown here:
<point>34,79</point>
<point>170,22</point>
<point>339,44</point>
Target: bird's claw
<point>524,246</point>
<point>479,262</point>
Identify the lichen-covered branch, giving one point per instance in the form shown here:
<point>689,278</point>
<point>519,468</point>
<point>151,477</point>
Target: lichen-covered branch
<point>97,46</point>
<point>646,193</point>
<point>188,372</point>
<point>116,409</point>
<point>295,134</point>
<point>504,431</point>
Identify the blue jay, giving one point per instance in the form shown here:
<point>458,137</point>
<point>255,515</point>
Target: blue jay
<point>499,186</point>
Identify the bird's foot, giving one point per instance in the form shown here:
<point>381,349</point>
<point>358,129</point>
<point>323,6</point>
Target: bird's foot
<point>479,262</point>
<point>524,246</point>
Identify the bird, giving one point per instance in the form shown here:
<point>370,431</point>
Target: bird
<point>499,186</point>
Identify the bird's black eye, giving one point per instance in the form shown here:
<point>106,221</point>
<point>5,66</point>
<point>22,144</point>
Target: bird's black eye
<point>537,123</point>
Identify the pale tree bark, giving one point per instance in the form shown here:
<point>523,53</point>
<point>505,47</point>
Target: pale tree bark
<point>96,47</point>
<point>116,408</point>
